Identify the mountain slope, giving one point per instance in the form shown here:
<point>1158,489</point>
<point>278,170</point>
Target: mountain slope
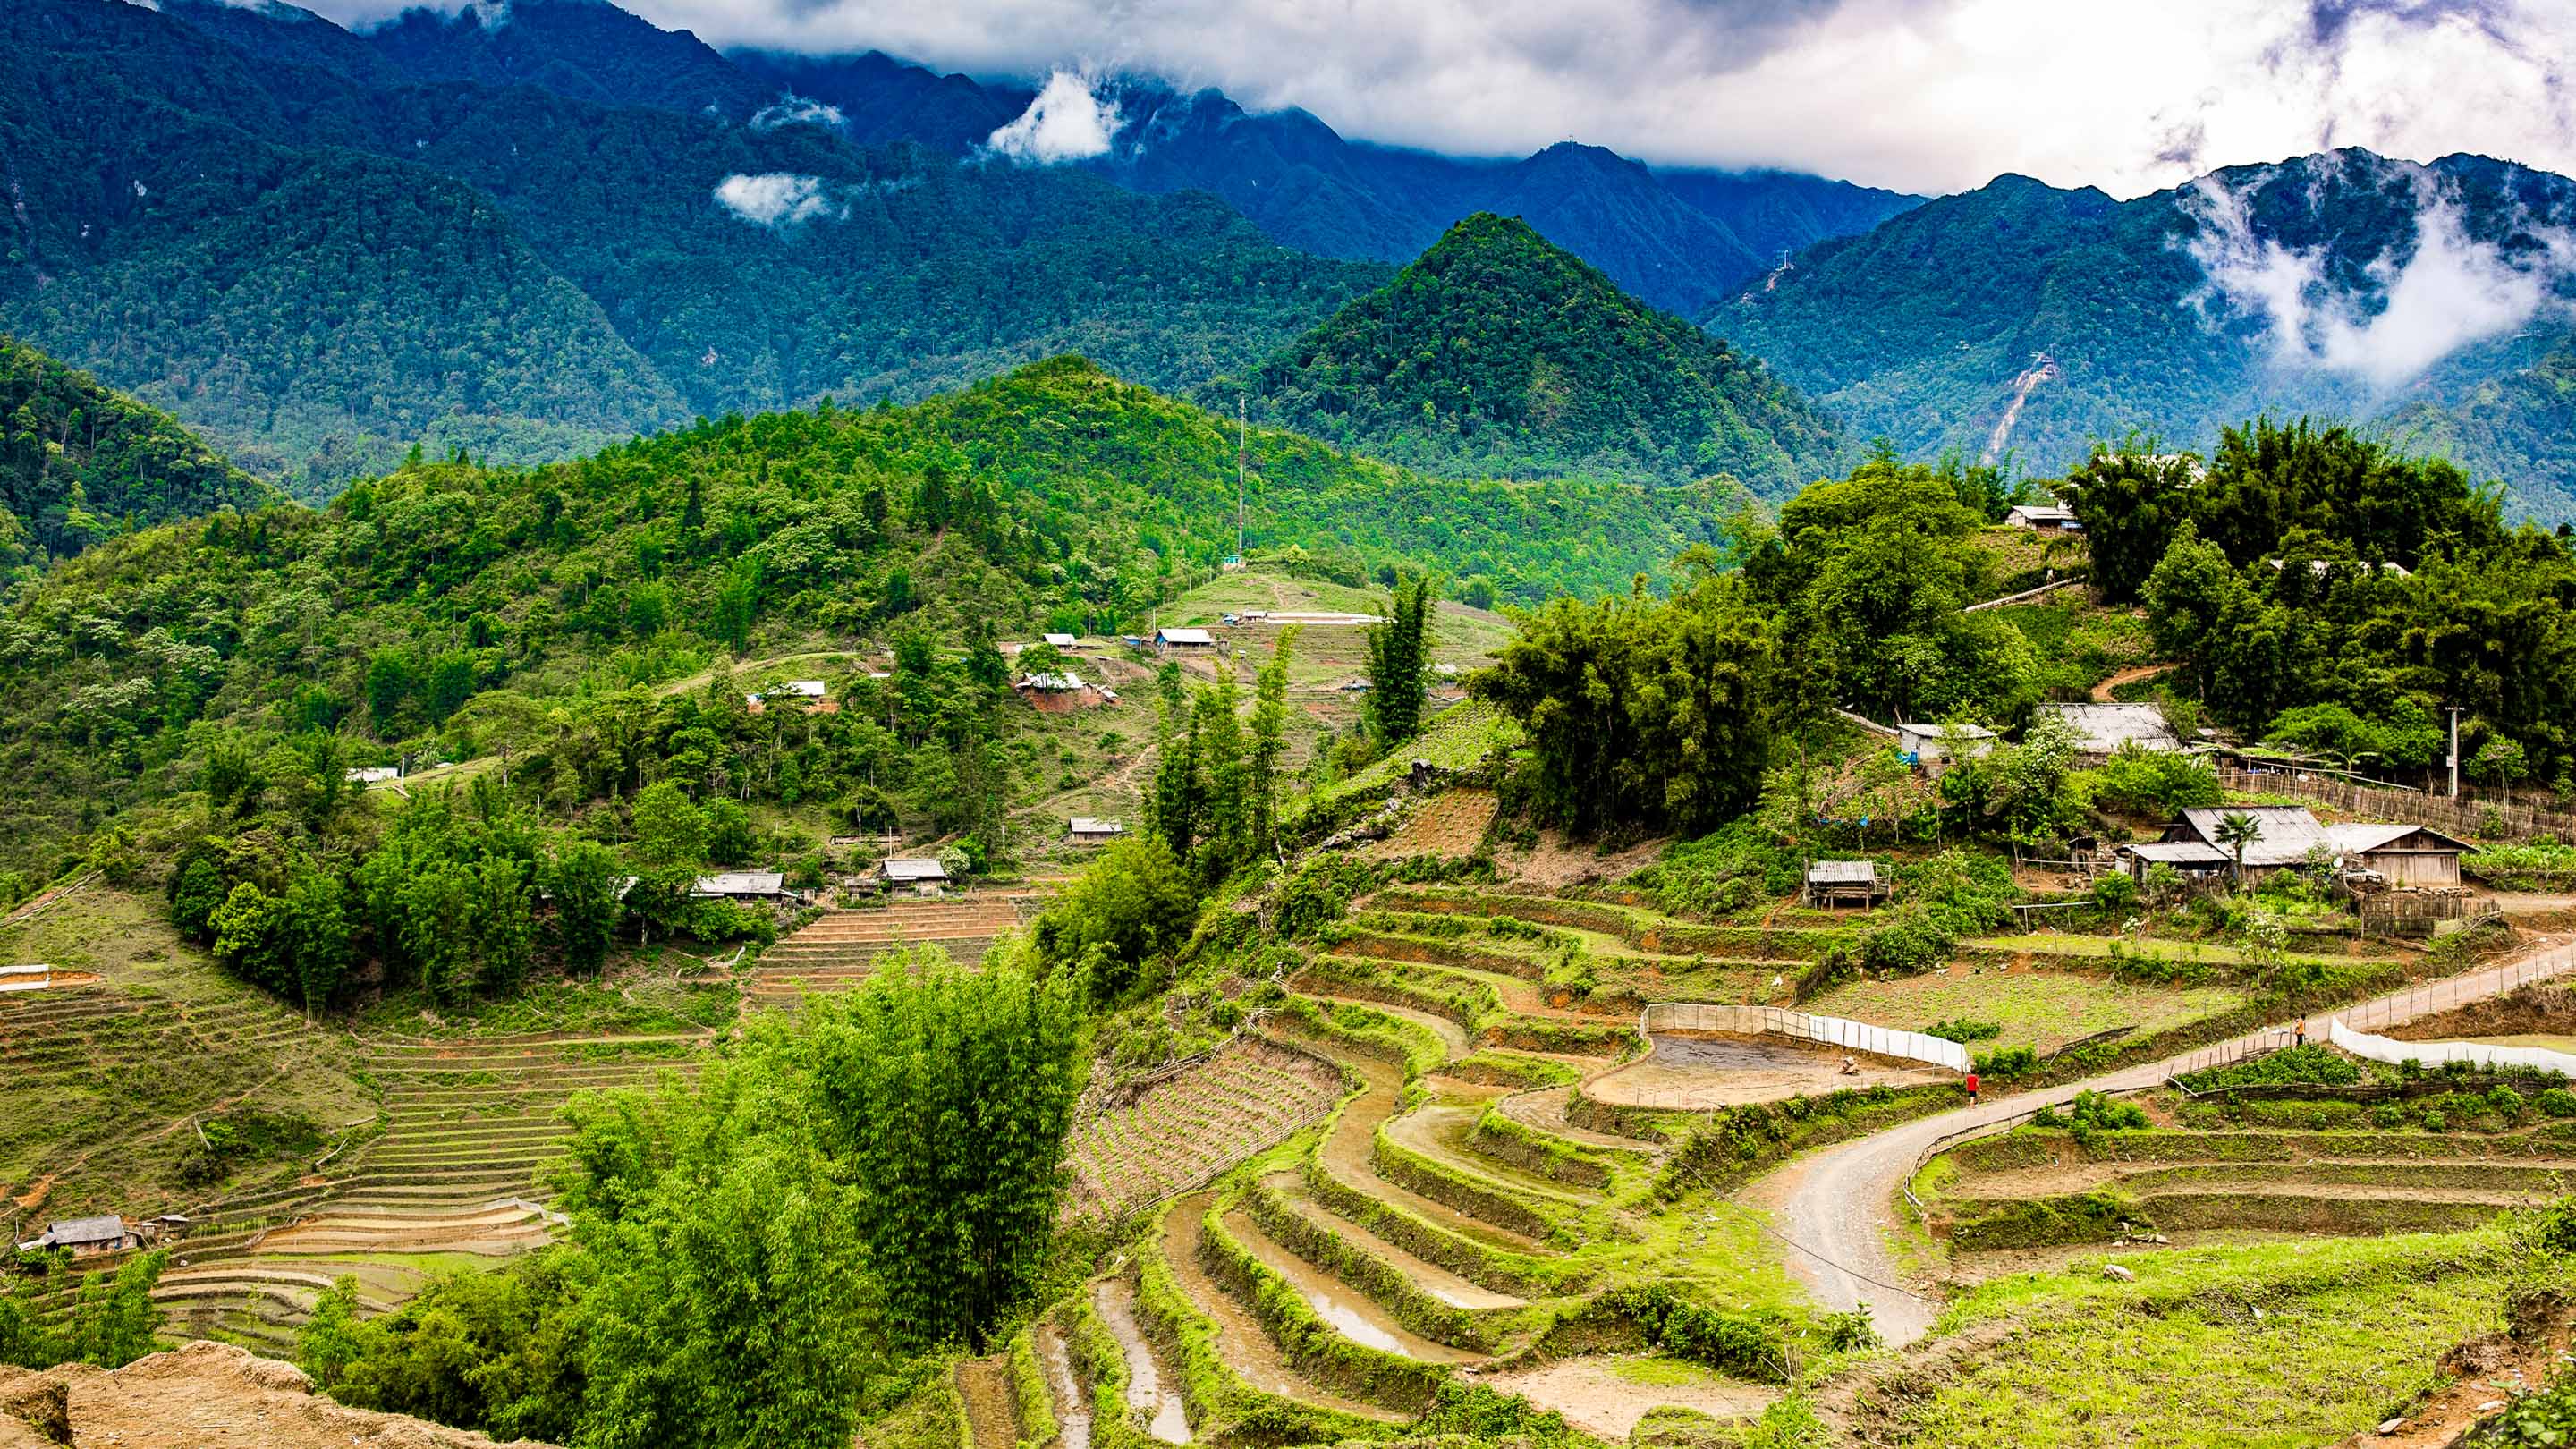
<point>1679,241</point>
<point>585,50</point>
<point>1056,485</point>
<point>319,269</point>
<point>79,463</point>
<point>1497,354</point>
<point>2024,317</point>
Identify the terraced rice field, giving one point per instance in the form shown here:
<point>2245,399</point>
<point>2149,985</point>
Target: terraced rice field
<point>839,950</point>
<point>1178,1133</point>
<point>105,1080</point>
<point>456,1178</point>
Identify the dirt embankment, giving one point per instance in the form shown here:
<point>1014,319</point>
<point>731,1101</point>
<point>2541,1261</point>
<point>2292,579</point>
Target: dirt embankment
<point>201,1396</point>
<point>2536,1010</point>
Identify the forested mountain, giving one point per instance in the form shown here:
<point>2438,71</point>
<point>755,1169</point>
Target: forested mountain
<point>1056,486</point>
<point>1497,354</point>
<point>317,271</point>
<point>2024,317</point>
<point>79,463</point>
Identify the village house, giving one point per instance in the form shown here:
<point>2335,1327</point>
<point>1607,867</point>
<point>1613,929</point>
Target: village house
<point>1844,883</point>
<point>1061,641</point>
<point>921,876</point>
<point>740,885</point>
<point>2101,729</point>
<point>1191,639</point>
<point>2044,517</point>
<point>88,1237</point>
<point>2291,837</point>
<point>1931,746</point>
<point>812,695</point>
<point>373,774</point>
<point>2402,855</point>
<point>1087,830</point>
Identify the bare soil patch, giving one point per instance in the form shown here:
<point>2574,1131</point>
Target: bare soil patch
<point>201,1396</point>
<point>1605,1396</point>
<point>1694,1072</point>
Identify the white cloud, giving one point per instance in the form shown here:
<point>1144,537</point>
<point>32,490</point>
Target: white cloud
<point>795,110</point>
<point>776,198</point>
<point>1068,121</point>
<point>2446,292</point>
<point>1926,95</point>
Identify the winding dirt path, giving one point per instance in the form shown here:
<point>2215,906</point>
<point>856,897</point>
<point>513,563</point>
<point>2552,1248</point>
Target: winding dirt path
<point>2130,675</point>
<point>1834,1208</point>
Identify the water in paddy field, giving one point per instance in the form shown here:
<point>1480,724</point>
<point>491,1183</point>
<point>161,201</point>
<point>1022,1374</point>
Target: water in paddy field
<point>1117,1304</point>
<point>1727,1054</point>
<point>1071,1416</point>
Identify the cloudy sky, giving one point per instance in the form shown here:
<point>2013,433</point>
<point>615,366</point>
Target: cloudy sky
<point>1923,95</point>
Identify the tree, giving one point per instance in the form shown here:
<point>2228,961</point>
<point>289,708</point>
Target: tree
<point>247,937</point>
<point>1133,906</point>
<point>1399,661</point>
<point>583,879</point>
<point>670,831</point>
<point>952,1091</point>
<point>2499,762</point>
<point>316,930</point>
<point>2237,830</point>
<point>1270,742</point>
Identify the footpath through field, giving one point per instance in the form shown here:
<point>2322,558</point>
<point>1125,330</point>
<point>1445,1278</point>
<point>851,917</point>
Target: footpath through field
<point>1835,1207</point>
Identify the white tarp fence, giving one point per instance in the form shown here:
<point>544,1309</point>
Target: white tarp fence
<point>2433,1053</point>
<point>1857,1036</point>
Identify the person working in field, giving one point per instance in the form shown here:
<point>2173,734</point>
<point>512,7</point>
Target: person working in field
<point>1972,1088</point>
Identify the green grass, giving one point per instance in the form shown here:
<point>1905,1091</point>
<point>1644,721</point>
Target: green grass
<point>2101,948</point>
<point>2039,1009</point>
<point>2348,1334</point>
<point>643,1000</point>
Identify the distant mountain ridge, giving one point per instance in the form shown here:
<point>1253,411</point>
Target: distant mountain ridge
<point>2032,319</point>
<point>1498,354</point>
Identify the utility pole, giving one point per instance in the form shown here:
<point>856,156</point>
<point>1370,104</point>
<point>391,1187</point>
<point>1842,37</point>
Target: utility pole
<point>2454,760</point>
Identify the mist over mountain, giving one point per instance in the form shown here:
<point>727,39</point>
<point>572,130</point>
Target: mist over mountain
<point>2027,319</point>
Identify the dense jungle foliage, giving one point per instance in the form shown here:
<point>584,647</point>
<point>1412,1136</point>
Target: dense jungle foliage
<point>456,608</point>
<point>79,463</point>
<point>1496,354</point>
<point>2308,568</point>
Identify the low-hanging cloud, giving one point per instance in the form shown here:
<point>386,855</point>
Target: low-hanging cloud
<point>2448,291</point>
<point>795,110</point>
<point>1925,95</point>
<point>776,198</point>
<point>1071,120</point>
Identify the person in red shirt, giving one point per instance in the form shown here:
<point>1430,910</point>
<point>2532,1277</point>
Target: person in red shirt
<point>1972,1089</point>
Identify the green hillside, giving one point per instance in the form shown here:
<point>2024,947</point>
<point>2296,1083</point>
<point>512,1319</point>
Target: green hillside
<point>79,463</point>
<point>318,266</point>
<point>1497,354</point>
<point>1055,488</point>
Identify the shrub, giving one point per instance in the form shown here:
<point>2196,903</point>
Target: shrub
<point>2311,1065</point>
<point>1964,1031</point>
<point>1908,940</point>
<point>2506,1102</point>
<point>2556,1102</point>
<point>2006,1063</point>
<point>2389,1116</point>
<point>2436,1122</point>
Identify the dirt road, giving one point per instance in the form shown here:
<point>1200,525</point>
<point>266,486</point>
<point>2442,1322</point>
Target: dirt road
<point>1835,1207</point>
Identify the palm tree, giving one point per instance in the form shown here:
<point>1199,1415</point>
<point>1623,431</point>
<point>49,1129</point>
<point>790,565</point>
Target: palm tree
<point>2237,830</point>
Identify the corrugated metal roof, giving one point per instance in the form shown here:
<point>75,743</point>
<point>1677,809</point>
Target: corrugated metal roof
<point>1185,636</point>
<point>741,883</point>
<point>2103,728</point>
<point>2368,835</point>
<point>1843,872</point>
<point>2288,833</point>
<point>71,1232</point>
<point>915,870</point>
<point>1061,641</point>
<point>2179,852</point>
<point>2041,512</point>
<point>1064,683</point>
<point>1087,825</point>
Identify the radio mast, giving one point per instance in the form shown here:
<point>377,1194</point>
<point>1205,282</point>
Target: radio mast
<point>1239,436</point>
